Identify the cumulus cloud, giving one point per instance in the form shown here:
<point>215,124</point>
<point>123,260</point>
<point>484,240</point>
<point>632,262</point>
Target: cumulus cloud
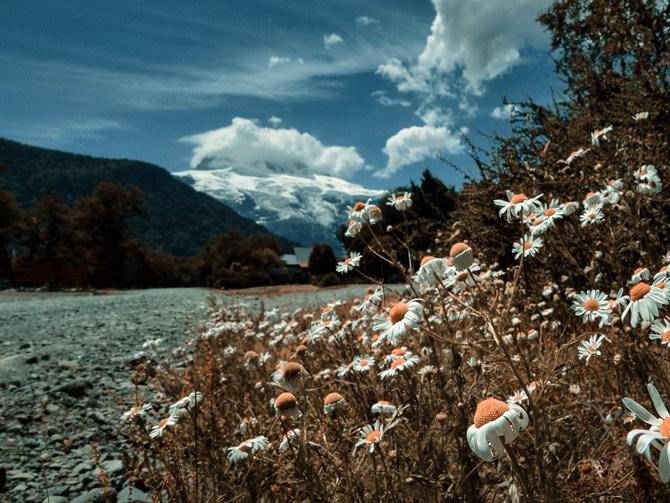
<point>244,143</point>
<point>331,40</point>
<point>384,99</point>
<point>275,121</point>
<point>366,20</point>
<point>504,112</point>
<point>283,60</point>
<point>416,143</point>
<point>476,40</point>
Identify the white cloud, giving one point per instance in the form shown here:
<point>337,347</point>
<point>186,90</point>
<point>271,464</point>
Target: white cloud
<point>366,20</point>
<point>384,99</point>
<point>275,121</point>
<point>504,112</point>
<point>332,40</point>
<point>475,40</point>
<point>244,143</point>
<point>434,116</point>
<point>64,131</point>
<point>416,143</point>
<point>283,60</point>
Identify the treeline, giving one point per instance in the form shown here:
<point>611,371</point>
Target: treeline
<point>91,243</point>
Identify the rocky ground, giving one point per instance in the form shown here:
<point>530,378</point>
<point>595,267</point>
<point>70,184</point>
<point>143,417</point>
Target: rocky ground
<point>64,379</point>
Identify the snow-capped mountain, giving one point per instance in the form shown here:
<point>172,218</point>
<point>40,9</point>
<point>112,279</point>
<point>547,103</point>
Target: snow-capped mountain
<point>288,200</point>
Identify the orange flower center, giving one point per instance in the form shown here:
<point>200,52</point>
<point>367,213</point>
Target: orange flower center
<point>359,206</point>
<point>398,351</point>
<point>637,271</point>
<point>549,212</point>
<point>518,198</point>
<point>399,198</point>
<point>363,362</point>
<point>591,305</point>
<point>374,437</point>
<point>489,410</point>
<point>639,291</point>
<point>426,259</point>
<point>661,285</point>
<point>457,249</point>
<point>664,429</point>
<point>527,245</point>
<point>398,312</point>
<point>398,362</point>
<point>665,336</point>
<point>537,221</point>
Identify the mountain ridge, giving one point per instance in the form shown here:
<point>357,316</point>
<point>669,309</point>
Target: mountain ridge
<point>301,206</point>
<point>179,219</point>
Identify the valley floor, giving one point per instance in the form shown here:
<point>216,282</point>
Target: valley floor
<point>64,376</point>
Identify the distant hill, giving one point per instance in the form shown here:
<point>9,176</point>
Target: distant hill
<point>178,218</point>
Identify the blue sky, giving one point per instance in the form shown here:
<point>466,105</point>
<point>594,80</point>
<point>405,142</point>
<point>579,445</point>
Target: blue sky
<point>377,88</point>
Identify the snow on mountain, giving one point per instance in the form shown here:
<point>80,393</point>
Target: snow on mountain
<point>303,207</point>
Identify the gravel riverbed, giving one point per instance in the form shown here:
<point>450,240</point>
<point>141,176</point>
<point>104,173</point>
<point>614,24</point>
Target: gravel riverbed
<point>64,378</point>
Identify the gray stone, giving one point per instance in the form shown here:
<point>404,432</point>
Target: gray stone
<point>76,388</point>
<point>96,495</point>
<point>83,467</point>
<point>55,499</point>
<point>133,495</point>
<point>113,467</point>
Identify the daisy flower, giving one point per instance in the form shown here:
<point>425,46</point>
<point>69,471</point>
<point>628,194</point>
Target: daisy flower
<point>353,228</point>
<point>370,436</point>
<point>384,407</point>
<point>600,134</point>
<point>402,318</point>
<point>639,274</point>
<point>645,171</point>
<point>650,185</point>
<point>663,272</point>
<point>333,402</point>
<point>495,422</point>
<point>136,411</point>
<point>592,215</point>
<point>431,269</point>
<point>656,436</point>
<point>644,302</point>
<point>517,397</point>
<point>527,246</point>
<point>575,154</point>
<point>398,366</point>
<point>517,205</point>
<point>248,447</point>
<point>285,405</point>
<point>373,299</point>
<point>660,331</point>
<point>292,436</point>
<point>158,429</point>
<point>357,211</point>
<point>640,116</point>
<point>400,202</point>
<point>462,256</point>
<point>591,306</point>
<point>590,347</point>
<point>400,352</point>
<point>353,260</point>
<point>363,363</point>
<point>289,374</point>
<point>374,214</point>
<point>187,402</point>
<point>247,424</point>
